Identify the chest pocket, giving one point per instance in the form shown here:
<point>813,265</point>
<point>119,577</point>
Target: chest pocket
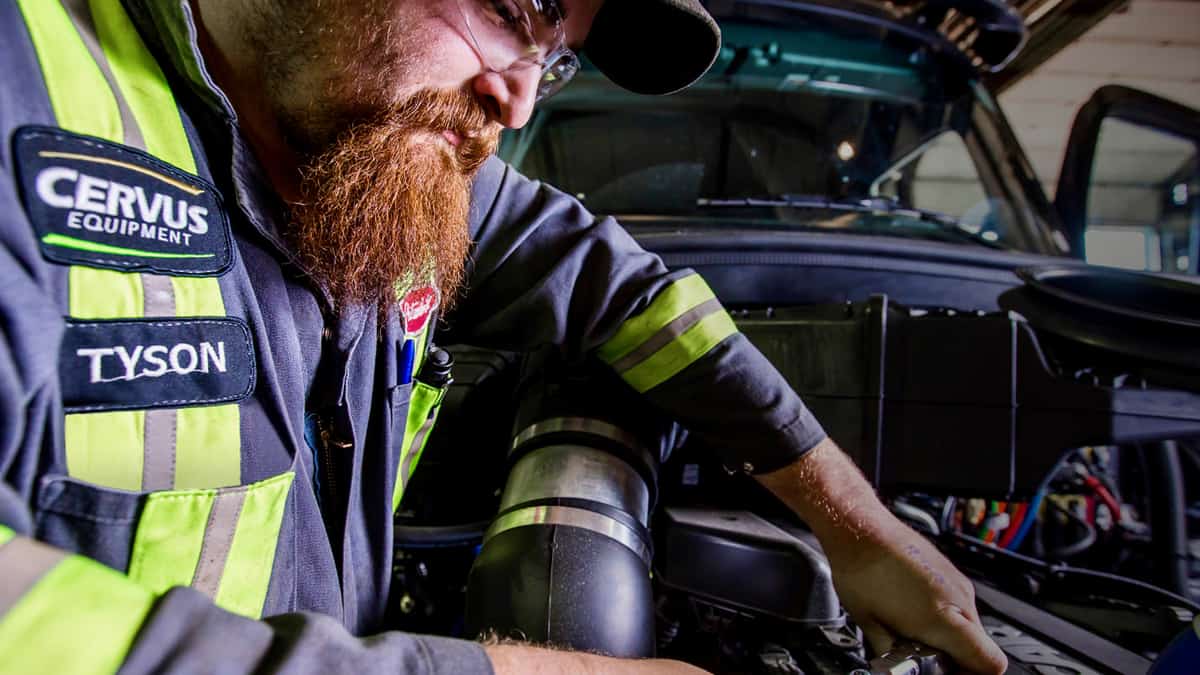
<point>144,248</point>
<point>415,409</point>
<point>413,406</point>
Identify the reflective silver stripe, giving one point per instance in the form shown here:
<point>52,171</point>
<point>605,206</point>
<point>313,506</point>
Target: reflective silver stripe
<point>158,296</point>
<point>158,293</point>
<point>158,436</point>
<point>81,16</point>
<point>570,516</point>
<point>410,461</point>
<point>24,562</point>
<point>585,425</point>
<point>218,537</point>
<point>666,334</point>
<point>158,458</point>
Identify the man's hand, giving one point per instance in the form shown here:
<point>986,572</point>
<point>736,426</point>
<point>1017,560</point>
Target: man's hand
<point>904,587</point>
<point>892,581</point>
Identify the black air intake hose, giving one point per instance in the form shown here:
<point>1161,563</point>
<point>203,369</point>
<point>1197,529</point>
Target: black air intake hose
<point>567,560</point>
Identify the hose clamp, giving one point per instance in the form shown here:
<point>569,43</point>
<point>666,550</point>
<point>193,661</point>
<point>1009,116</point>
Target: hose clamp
<point>569,516</point>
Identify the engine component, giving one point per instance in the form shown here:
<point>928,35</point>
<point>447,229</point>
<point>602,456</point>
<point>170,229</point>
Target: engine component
<point>776,660</point>
<point>738,560</point>
<point>1134,316</point>
<point>473,429</point>
<point>1028,654</point>
<point>430,568</point>
<point>887,382</point>
<point>908,658</point>
<point>567,559</point>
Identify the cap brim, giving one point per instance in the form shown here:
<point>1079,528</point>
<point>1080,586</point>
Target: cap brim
<point>653,46</point>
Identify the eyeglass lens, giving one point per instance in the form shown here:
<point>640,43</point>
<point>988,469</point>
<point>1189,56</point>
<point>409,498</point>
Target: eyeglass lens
<point>522,33</point>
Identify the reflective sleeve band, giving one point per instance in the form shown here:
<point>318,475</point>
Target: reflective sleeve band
<point>70,614</point>
<point>102,81</point>
<point>423,408</point>
<point>683,323</point>
<point>221,542</point>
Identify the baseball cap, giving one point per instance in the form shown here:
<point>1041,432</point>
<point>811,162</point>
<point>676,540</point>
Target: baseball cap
<point>653,46</point>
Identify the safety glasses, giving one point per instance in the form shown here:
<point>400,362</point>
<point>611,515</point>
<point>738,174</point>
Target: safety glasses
<point>515,34</point>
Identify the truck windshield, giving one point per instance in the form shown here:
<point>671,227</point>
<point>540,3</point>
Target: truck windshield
<point>811,110</point>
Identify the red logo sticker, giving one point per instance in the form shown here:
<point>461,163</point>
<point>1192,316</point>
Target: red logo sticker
<point>416,308</point>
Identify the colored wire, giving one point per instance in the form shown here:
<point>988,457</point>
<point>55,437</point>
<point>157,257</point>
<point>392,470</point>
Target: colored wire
<point>996,521</point>
<point>985,525</point>
<point>1105,496</point>
<point>1076,547</point>
<point>1017,520</point>
<point>946,522</point>
<point>1031,515</point>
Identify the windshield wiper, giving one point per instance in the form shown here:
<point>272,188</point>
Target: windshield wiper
<point>944,222</point>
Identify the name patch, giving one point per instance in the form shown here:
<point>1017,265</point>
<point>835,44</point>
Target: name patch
<point>100,204</point>
<point>153,363</point>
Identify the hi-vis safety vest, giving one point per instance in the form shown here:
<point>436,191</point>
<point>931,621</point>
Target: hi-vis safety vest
<point>199,525</point>
<point>117,180</point>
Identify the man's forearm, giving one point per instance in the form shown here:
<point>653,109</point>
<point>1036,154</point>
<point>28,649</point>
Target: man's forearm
<point>827,490</point>
<point>891,580</point>
<point>518,659</point>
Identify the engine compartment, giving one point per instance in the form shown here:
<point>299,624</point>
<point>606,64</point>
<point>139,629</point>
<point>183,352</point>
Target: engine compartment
<point>969,422</point>
<point>739,585</point>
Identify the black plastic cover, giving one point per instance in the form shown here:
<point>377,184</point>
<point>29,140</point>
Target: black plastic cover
<point>943,401</point>
<point>738,560</point>
<point>1141,316</point>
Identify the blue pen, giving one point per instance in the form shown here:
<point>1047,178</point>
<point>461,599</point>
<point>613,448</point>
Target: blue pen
<point>408,353</point>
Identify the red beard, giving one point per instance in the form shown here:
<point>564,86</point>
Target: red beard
<point>388,201</point>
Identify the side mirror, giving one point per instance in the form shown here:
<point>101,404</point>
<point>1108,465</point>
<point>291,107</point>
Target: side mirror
<point>1129,191</point>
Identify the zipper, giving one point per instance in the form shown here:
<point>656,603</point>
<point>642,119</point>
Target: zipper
<point>328,468</point>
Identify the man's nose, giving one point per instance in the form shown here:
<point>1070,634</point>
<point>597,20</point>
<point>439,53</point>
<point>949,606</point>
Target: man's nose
<point>508,96</point>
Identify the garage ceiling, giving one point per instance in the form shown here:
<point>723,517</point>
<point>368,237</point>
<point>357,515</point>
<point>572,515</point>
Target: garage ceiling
<point>1152,45</point>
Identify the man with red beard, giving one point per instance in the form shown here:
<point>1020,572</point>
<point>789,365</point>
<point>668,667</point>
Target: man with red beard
<point>229,225</point>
